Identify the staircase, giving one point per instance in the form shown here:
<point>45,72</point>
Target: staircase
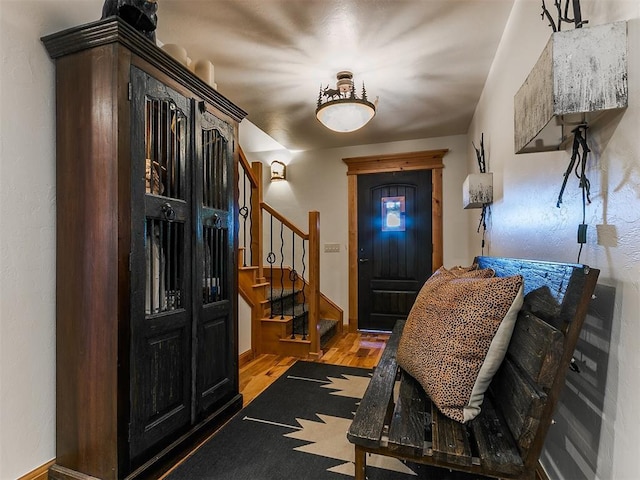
<point>288,304</point>
<point>289,314</point>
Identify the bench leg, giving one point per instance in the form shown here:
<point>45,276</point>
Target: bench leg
<point>361,463</point>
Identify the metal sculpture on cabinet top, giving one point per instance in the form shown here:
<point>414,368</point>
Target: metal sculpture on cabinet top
<point>140,14</point>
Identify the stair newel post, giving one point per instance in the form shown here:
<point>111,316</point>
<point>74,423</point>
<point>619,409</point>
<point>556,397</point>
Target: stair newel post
<point>256,219</point>
<point>314,282</point>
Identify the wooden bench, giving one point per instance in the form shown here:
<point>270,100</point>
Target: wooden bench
<point>506,439</point>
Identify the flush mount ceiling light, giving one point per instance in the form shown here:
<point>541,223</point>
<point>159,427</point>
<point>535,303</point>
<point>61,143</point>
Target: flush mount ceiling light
<point>342,110</point>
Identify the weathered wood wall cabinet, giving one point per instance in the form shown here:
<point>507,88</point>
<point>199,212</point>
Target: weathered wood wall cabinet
<point>146,250</point>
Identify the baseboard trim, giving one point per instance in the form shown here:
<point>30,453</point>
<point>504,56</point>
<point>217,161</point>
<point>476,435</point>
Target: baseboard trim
<point>245,358</point>
<point>40,473</point>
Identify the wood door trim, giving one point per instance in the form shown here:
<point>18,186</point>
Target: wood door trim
<point>426,160</point>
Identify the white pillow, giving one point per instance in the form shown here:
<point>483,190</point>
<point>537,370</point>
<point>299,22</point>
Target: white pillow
<point>495,356</point>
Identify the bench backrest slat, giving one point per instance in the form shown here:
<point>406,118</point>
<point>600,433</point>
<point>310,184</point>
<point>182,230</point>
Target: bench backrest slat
<point>520,402</point>
<point>536,347</point>
<point>552,290</point>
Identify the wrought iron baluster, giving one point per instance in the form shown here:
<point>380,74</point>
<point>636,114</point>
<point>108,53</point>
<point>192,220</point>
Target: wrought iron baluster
<point>292,278</point>
<point>281,271</point>
<point>249,214</point>
<point>271,259</point>
<point>244,213</point>
<point>304,299</point>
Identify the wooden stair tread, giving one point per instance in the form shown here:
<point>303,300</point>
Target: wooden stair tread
<point>295,340</point>
<point>277,319</point>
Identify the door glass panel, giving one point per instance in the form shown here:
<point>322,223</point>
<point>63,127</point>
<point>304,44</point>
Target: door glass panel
<point>165,143</point>
<point>214,174</point>
<point>164,250</point>
<point>214,265</point>
<point>393,214</point>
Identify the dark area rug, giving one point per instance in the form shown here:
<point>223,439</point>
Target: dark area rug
<point>296,429</point>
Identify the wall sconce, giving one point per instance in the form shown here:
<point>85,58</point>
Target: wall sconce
<point>477,190</point>
<point>278,171</point>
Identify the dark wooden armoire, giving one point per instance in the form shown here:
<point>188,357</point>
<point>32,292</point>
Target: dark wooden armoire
<point>146,254</point>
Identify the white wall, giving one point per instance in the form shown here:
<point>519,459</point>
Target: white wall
<point>526,223</point>
<point>317,180</point>
<point>244,326</point>
<point>27,239</point>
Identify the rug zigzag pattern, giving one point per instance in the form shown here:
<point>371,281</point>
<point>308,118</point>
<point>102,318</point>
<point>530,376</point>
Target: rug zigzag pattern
<point>295,429</point>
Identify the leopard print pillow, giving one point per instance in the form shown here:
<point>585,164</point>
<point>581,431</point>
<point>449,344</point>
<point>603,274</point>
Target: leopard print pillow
<point>449,332</point>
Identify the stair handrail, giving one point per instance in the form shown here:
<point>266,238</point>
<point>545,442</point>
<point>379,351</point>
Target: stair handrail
<point>287,223</point>
<point>253,178</point>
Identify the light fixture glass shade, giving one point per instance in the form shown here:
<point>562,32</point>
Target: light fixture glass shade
<point>477,190</point>
<point>346,115</point>
<point>344,111</point>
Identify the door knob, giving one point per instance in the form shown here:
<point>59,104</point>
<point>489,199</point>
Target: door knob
<point>169,212</point>
<point>363,260</point>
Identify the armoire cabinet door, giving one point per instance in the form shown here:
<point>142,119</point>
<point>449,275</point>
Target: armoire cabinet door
<point>214,300</point>
<point>161,305</point>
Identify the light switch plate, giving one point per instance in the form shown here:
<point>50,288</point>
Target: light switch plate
<point>331,247</point>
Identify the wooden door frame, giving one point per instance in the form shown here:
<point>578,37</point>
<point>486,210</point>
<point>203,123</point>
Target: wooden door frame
<point>425,160</point>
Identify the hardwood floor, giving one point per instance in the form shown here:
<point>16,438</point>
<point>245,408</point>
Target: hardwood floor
<point>353,349</point>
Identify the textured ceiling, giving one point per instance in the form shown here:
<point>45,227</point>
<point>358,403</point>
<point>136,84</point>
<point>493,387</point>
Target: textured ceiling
<point>425,60</point>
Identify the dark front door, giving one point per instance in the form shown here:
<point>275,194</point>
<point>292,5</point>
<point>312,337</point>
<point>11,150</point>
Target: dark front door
<point>394,244</point>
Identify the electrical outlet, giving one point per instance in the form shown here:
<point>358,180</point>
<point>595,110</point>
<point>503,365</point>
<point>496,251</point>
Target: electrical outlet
<point>331,247</point>
<point>607,235</point>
